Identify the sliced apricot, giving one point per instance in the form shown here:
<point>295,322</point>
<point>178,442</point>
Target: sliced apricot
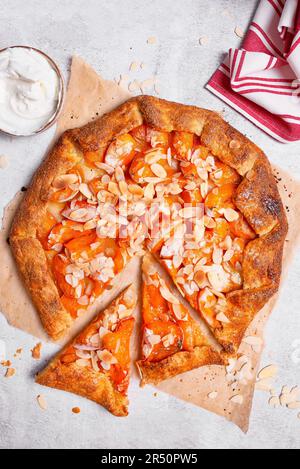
<point>44,229</point>
<point>155,307</point>
<point>93,157</point>
<point>224,174</point>
<point>77,246</point>
<point>59,265</point>
<point>121,151</point>
<point>140,136</point>
<point>241,228</point>
<point>188,335</point>
<point>219,195</point>
<point>161,351</point>
<point>63,232</point>
<point>183,143</point>
<point>118,341</point>
<point>158,138</point>
<point>206,305</point>
<point>192,196</point>
<point>71,305</point>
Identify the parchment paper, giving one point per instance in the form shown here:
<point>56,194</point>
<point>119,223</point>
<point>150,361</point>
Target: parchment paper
<point>88,97</point>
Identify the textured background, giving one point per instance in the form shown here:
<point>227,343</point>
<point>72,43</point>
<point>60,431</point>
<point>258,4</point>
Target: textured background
<point>110,35</point>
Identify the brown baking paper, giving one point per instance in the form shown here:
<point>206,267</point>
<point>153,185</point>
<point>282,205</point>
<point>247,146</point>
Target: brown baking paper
<point>88,97</point>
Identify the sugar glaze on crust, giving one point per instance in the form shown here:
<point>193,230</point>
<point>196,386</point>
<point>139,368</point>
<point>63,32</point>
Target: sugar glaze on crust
<point>257,198</point>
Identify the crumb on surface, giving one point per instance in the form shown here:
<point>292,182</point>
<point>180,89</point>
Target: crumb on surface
<point>36,351</point>
<point>10,372</point>
<point>76,410</point>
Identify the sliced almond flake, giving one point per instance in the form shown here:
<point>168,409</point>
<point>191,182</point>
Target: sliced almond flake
<point>293,405</point>
<point>203,40</point>
<point>177,310</point>
<point>167,295</point>
<point>218,174</point>
<point>268,372</point>
<point>252,340</point>
<point>62,181</point>
<point>229,213</point>
<point>219,279</point>
<point>212,395</point>
<point>82,362</point>
<point>168,340</point>
<point>274,401</point>
<point>90,225</point>
<point>209,222</point>
<point>149,191</point>
<point>228,255</point>
<point>237,399</point>
<point>83,354</point>
<point>36,351</point>
<point>158,170</point>
<point>3,161</point>
<point>41,400</point>
<point>200,278</point>
<point>123,187</point>
<point>133,66</point>
<point>222,318</point>
<point>57,247</point>
<point>84,189</point>
<point>94,361</point>
<point>151,40</point>
<point>119,174</point>
<point>239,32</point>
<point>263,385</point>
<point>204,189</point>
<point>106,167</point>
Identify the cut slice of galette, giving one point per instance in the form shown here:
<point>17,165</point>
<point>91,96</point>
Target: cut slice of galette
<point>172,341</point>
<point>96,364</point>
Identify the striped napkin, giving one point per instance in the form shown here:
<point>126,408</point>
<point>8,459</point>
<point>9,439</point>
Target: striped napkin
<point>262,79</point>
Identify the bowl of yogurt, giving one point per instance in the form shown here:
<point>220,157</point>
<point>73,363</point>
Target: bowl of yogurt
<point>31,91</point>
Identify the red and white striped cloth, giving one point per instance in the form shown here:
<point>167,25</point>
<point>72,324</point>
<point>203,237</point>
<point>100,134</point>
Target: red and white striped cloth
<point>262,79</point>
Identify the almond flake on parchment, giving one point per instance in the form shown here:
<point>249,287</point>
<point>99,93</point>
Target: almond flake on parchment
<point>237,399</point>
<point>212,395</point>
<point>268,372</point>
<point>293,405</point>
<point>41,401</point>
<point>263,385</point>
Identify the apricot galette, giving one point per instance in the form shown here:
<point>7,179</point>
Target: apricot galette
<point>159,176</point>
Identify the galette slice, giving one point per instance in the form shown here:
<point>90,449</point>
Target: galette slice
<point>172,341</point>
<point>96,364</point>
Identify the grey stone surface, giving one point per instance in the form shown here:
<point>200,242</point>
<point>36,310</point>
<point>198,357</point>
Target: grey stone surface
<point>109,35</point>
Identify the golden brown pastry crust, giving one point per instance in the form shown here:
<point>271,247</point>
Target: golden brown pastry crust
<point>84,381</point>
<point>257,198</point>
<point>155,372</point>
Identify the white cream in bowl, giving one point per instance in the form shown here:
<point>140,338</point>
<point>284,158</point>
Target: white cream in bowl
<point>29,91</point>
